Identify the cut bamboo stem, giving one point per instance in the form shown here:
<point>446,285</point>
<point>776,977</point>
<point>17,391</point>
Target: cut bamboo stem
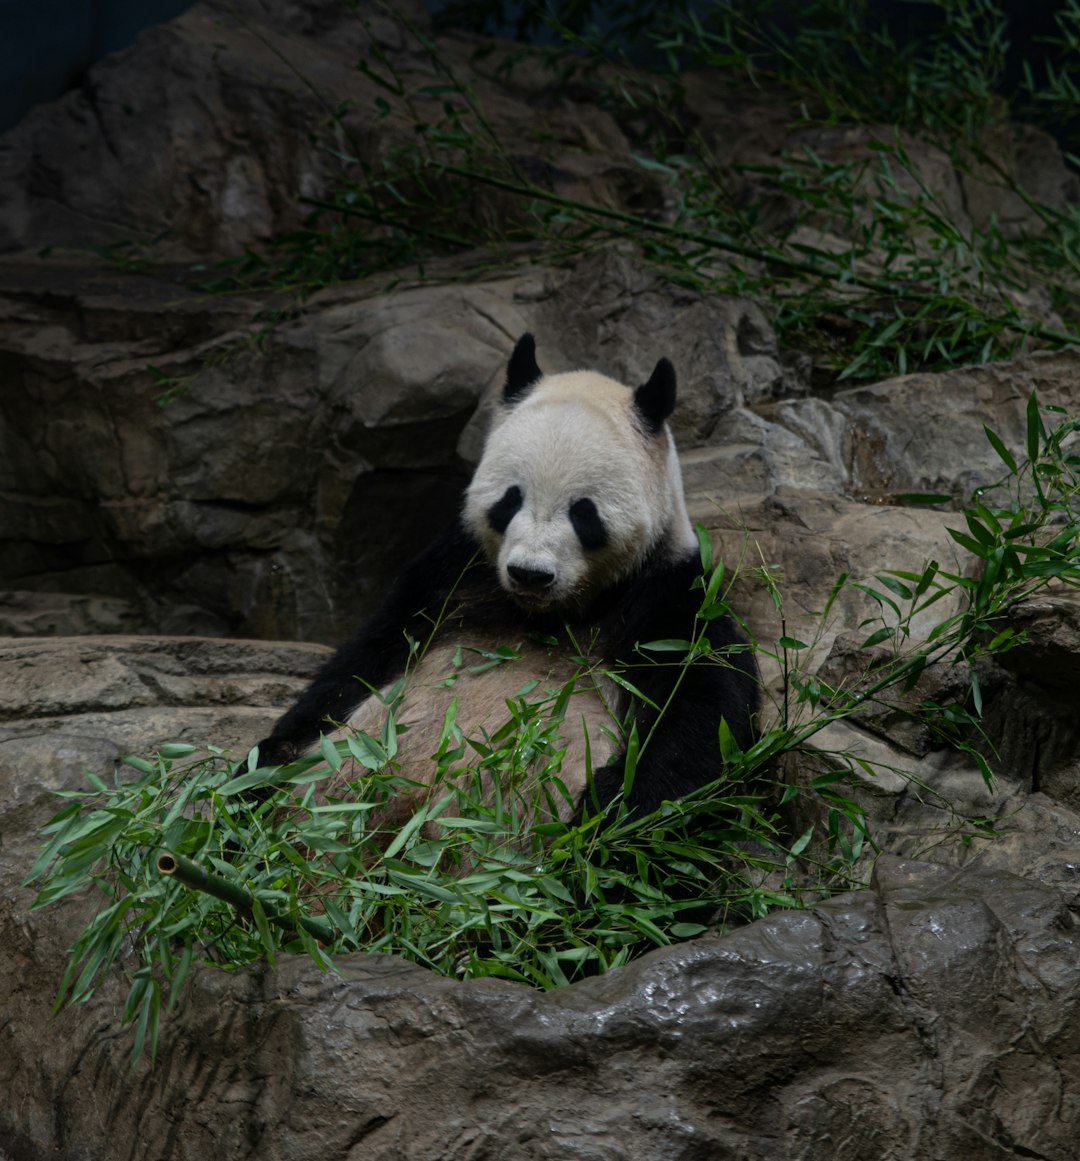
<point>198,878</point>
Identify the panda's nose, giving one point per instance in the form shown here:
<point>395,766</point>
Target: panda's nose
<point>530,578</point>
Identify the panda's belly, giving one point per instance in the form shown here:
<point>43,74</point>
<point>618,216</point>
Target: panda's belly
<point>562,721</point>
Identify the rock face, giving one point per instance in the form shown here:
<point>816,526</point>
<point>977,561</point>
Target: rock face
<point>276,490</point>
<point>171,136</point>
<point>180,478</point>
<point>225,476</point>
<point>202,134</point>
<point>689,1053</point>
<point>279,490</point>
<point>935,1015</point>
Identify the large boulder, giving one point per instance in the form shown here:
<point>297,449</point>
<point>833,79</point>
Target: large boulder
<point>222,478</point>
<point>223,128</point>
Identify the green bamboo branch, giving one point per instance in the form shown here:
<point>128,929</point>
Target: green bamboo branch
<point>812,269</point>
<point>383,219</point>
<point>198,878</point>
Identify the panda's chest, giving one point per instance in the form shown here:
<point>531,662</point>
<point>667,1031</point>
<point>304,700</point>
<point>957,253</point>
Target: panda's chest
<point>520,708</point>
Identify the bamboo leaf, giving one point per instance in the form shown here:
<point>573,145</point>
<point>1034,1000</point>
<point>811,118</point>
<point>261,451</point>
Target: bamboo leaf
<point>973,546</point>
<point>1003,452</point>
<point>1034,428</point>
<point>895,586</point>
<point>705,550</point>
<point>330,752</point>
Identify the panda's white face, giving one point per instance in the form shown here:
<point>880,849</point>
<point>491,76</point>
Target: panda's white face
<point>572,492</point>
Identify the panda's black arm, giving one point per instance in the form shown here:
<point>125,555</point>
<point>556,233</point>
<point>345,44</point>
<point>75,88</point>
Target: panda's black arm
<point>379,652</point>
<point>681,750</point>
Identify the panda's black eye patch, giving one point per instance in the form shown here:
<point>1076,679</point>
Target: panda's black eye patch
<point>587,524</point>
<point>504,510</point>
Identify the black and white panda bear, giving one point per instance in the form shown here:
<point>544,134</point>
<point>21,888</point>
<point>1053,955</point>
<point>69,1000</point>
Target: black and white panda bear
<point>574,540</point>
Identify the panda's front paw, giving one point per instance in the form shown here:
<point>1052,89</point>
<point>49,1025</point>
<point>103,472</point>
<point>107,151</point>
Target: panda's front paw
<point>609,783</point>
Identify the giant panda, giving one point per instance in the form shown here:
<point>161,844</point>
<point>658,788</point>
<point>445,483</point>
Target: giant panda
<point>573,548</point>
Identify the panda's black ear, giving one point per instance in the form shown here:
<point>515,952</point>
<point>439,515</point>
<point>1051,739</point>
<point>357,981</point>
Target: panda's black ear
<point>522,371</point>
<point>655,400</point>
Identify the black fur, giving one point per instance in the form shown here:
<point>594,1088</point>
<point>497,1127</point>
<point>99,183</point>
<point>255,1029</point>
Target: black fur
<point>587,524</point>
<point>522,371</point>
<point>655,400</point>
<point>657,602</point>
<point>660,603</point>
<point>505,509</point>
<point>379,652</point>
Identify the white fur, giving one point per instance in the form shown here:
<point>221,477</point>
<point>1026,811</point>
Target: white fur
<point>575,436</point>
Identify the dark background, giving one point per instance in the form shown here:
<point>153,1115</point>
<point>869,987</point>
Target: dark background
<point>46,46</point>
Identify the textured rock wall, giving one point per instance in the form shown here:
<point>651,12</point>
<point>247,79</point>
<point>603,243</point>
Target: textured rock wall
<point>297,463</point>
<point>278,492</point>
<point>934,1016</point>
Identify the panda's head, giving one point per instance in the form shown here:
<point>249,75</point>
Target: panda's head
<point>578,482</point>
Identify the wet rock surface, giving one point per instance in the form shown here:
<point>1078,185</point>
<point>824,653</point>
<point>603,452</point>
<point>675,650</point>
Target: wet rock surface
<point>936,1014</point>
<point>933,1015</point>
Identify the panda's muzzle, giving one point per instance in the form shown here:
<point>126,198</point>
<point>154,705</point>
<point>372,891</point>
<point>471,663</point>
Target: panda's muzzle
<point>530,580</point>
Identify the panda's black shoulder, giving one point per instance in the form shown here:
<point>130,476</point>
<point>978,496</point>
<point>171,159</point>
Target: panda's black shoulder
<point>662,592</point>
<point>661,602</point>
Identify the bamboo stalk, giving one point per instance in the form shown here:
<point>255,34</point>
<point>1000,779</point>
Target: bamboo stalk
<point>893,288</point>
<point>198,878</point>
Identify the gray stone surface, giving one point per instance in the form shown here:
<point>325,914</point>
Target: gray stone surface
<point>925,432</point>
<point>201,138</point>
<point>200,132</point>
<point>279,486</point>
<point>277,492</point>
<point>936,1015</point>
<point>30,614</point>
